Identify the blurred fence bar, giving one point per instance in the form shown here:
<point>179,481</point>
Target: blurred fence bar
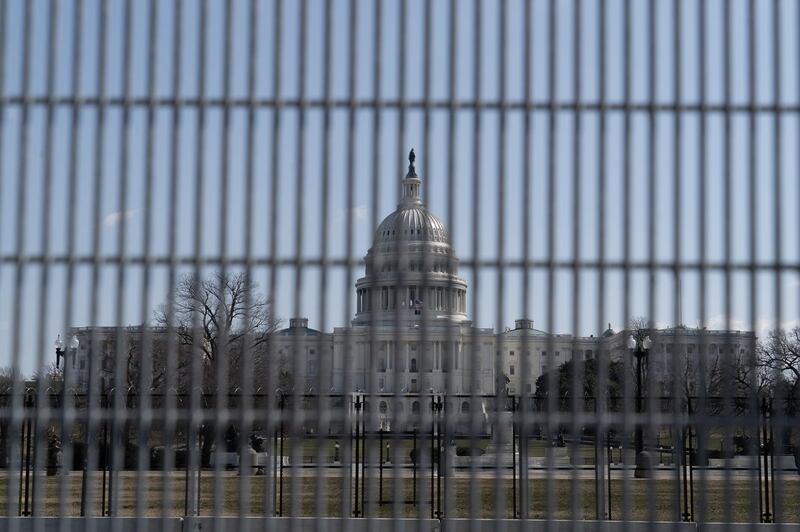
<point>280,245</point>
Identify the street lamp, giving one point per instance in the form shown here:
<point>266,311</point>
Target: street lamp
<point>74,343</point>
<point>61,352</point>
<point>640,349</point>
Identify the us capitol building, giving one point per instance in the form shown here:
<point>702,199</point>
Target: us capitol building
<point>411,335</point>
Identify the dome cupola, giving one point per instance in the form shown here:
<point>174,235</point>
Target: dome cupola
<point>411,267</point>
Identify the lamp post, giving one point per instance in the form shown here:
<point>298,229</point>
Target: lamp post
<point>74,343</point>
<point>61,352</point>
<point>640,349</point>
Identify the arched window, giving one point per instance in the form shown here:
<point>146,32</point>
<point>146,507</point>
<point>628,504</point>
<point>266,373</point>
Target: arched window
<point>415,407</point>
<point>413,365</point>
<point>383,407</point>
<point>465,407</point>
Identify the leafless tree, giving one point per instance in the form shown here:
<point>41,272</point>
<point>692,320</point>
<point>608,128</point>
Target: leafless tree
<point>639,327</point>
<point>8,378</point>
<point>779,355</point>
<point>53,379</point>
<point>154,379</point>
<point>222,316</point>
<point>697,381</point>
<point>225,320</point>
<point>751,378</point>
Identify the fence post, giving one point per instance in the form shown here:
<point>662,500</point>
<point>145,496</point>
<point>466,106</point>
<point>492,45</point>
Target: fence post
<point>770,417</point>
<point>280,458</point>
<point>380,466</point>
<point>433,454</point>
<point>685,472</point>
<point>514,456</point>
<point>25,451</point>
<point>357,406</point>
<point>610,459</point>
<point>440,455</point>
<point>414,461</point>
<point>766,516</point>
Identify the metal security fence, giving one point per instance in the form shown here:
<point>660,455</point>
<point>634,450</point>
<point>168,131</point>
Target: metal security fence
<point>280,244</point>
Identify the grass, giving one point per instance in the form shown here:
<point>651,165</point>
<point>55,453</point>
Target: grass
<point>536,449</point>
<point>736,502</point>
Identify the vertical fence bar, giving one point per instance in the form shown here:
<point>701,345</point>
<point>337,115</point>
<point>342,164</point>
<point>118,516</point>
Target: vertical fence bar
<point>718,418</point>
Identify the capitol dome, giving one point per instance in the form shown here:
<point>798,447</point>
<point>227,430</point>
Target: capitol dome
<point>411,223</point>
<point>411,267</point>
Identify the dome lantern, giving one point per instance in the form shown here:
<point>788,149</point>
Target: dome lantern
<point>412,182</point>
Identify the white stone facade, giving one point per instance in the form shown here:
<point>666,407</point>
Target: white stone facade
<point>411,335</point>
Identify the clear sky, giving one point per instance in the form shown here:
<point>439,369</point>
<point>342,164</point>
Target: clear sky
<point>37,141</point>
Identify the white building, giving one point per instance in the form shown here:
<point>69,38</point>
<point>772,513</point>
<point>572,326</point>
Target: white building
<point>411,335</point>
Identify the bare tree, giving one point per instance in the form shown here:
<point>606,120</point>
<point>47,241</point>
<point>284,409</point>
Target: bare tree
<point>9,377</point>
<point>155,378</point>
<point>222,316</point>
<point>779,354</point>
<point>53,379</point>
<point>751,378</point>
<point>640,327</point>
<point>701,382</point>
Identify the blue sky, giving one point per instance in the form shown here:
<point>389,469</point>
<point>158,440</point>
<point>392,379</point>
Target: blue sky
<point>29,324</point>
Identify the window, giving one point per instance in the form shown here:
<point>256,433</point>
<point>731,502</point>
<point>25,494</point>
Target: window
<point>558,353</point>
<point>415,407</point>
<point>414,385</point>
<point>511,370</point>
<point>383,407</point>
<point>528,386</point>
<point>511,353</point>
<point>465,407</point>
<point>413,365</point>
<point>83,363</point>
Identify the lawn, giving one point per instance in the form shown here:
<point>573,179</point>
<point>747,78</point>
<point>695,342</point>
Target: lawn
<point>737,501</point>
